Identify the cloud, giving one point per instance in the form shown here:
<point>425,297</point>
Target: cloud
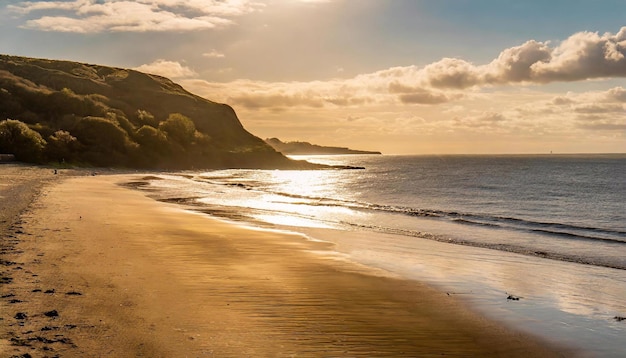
<point>421,95</point>
<point>515,64</point>
<point>275,101</point>
<point>616,94</point>
<point>585,55</point>
<point>213,54</point>
<point>605,126</point>
<point>426,97</point>
<point>595,108</point>
<point>602,117</point>
<point>486,119</point>
<point>378,88</point>
<point>582,56</point>
<point>452,73</point>
<point>358,91</point>
<point>91,16</point>
<point>562,100</point>
<point>169,69</point>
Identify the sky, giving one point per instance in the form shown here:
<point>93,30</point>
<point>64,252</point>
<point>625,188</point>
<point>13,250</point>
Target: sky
<point>397,76</point>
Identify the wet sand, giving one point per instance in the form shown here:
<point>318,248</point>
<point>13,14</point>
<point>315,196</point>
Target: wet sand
<point>96,269</point>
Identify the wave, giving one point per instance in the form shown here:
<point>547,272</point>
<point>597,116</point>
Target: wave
<point>558,230</point>
<point>500,222</point>
<point>507,247</point>
<point>548,228</point>
<point>562,230</point>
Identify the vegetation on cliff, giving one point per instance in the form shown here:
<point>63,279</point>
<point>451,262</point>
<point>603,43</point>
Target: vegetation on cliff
<point>61,111</point>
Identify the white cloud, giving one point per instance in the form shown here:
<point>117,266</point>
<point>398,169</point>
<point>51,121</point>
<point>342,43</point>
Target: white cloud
<point>169,69</point>
<point>213,54</point>
<point>91,16</point>
<point>452,73</point>
<point>585,55</point>
<point>582,56</point>
<point>616,94</point>
<point>515,64</point>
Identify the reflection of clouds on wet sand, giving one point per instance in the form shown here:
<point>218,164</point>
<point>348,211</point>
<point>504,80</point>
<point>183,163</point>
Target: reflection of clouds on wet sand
<point>578,299</point>
<point>578,292</point>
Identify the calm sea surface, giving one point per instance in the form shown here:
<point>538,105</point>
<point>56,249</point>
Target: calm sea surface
<point>549,230</point>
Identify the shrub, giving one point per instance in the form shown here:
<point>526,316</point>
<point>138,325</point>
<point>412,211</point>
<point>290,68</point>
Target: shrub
<point>62,146</point>
<point>145,117</point>
<point>105,142</point>
<point>152,140</point>
<point>179,128</point>
<point>16,138</point>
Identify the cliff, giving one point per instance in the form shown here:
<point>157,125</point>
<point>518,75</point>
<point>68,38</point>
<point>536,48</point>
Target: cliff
<point>103,116</point>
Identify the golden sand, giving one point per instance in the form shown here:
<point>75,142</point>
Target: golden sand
<point>128,276</point>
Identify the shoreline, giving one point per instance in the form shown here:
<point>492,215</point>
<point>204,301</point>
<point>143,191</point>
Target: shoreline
<point>126,275</point>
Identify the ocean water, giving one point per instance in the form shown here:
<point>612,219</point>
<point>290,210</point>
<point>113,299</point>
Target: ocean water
<point>537,242</point>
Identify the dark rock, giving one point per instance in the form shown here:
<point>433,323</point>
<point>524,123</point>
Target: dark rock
<point>20,342</point>
<point>52,313</point>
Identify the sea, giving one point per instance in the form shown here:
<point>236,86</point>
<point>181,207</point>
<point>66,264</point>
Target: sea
<point>537,242</point>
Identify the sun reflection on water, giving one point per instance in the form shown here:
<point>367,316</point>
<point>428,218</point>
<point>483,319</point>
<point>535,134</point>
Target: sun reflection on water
<point>290,220</point>
<point>301,198</point>
<point>306,183</point>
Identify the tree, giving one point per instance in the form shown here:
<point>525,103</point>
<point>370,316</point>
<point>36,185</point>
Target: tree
<point>103,133</point>
<point>105,143</point>
<point>179,128</point>
<point>17,138</point>
<point>152,140</point>
<point>145,117</point>
<point>62,146</point>
<point>118,116</point>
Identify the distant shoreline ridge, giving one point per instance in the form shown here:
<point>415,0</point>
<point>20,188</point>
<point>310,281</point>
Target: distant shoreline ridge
<point>306,148</point>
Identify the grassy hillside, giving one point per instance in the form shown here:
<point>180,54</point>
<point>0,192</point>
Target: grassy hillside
<point>67,112</point>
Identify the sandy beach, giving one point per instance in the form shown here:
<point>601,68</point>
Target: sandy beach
<point>95,269</point>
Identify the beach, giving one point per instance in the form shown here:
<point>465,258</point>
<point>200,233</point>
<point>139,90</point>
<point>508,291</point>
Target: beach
<point>94,268</point>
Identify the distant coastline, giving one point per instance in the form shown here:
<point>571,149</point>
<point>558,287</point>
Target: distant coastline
<point>306,148</point>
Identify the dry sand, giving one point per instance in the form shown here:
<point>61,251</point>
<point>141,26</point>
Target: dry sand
<point>94,269</point>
